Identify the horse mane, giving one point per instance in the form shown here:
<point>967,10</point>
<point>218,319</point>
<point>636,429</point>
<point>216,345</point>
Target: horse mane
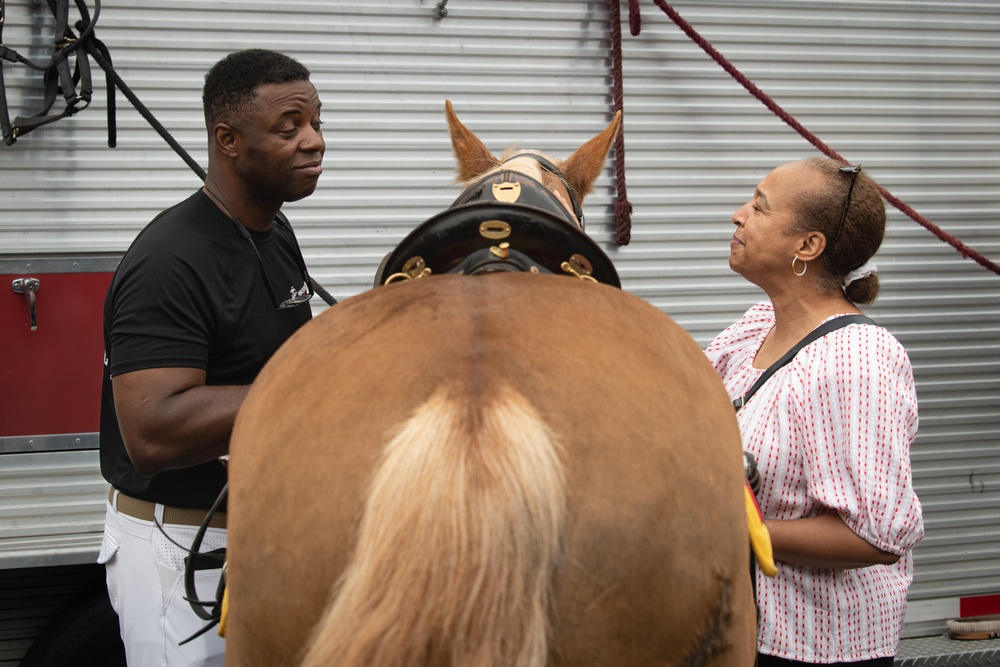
<point>458,543</point>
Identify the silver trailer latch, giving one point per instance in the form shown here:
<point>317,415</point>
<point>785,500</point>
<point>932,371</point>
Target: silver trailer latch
<point>28,287</point>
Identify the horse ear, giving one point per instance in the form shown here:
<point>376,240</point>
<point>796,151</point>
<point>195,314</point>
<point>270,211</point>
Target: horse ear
<point>472,155</point>
<point>583,167</point>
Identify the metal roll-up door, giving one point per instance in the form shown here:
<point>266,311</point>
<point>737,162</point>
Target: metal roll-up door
<point>909,90</point>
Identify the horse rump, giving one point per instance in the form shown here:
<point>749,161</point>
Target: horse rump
<point>458,542</point>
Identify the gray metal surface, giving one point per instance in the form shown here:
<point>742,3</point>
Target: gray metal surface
<point>939,651</point>
<point>909,90</point>
<point>52,508</point>
<point>61,263</point>
<point>45,443</point>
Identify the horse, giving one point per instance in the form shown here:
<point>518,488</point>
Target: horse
<point>503,460</point>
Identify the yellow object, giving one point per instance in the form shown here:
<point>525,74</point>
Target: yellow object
<point>225,612</point>
<point>760,539</point>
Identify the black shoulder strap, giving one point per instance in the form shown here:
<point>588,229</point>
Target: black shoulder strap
<point>818,332</point>
<point>317,288</point>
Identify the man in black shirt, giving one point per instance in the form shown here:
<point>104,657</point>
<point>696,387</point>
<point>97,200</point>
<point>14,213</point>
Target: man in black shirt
<point>205,295</point>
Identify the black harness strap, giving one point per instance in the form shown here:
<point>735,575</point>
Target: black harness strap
<point>210,611</point>
<point>102,56</point>
<point>57,75</point>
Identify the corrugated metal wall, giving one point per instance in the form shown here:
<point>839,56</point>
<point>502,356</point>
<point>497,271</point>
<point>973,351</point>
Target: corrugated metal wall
<point>53,506</point>
<point>911,90</point>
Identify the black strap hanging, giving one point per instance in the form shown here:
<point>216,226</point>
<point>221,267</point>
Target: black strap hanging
<point>67,43</point>
<point>209,610</point>
<point>316,287</point>
<point>57,78</point>
<point>818,332</point>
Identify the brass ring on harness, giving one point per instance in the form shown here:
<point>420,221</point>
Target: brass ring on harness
<point>414,267</point>
<point>579,266</point>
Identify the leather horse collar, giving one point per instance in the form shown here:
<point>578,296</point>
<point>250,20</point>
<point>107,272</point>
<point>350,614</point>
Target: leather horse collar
<point>506,221</point>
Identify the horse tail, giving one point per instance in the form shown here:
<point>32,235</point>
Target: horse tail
<point>458,542</point>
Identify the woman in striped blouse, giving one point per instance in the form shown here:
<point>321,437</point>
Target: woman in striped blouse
<point>832,429</point>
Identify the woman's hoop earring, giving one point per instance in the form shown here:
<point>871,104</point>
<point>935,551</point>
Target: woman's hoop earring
<point>805,266</point>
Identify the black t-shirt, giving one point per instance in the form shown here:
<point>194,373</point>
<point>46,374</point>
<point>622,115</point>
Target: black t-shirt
<point>190,293</point>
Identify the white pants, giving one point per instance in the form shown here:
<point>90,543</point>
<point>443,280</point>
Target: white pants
<point>146,584</point>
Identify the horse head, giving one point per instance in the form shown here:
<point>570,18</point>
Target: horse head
<point>519,212</point>
<point>569,180</point>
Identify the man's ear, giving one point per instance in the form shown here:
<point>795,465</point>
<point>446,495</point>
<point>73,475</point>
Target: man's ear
<point>224,137</point>
<point>811,245</point>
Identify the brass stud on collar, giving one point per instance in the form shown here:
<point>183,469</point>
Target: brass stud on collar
<point>502,251</point>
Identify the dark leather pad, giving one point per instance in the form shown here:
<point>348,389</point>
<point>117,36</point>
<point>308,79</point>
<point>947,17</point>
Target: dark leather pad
<point>446,239</point>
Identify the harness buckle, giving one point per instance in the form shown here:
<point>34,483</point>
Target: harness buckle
<point>579,266</point>
<point>415,267</point>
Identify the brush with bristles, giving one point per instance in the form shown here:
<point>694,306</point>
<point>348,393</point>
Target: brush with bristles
<point>975,627</point>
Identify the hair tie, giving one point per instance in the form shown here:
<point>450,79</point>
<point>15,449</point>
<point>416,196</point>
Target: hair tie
<point>863,271</point>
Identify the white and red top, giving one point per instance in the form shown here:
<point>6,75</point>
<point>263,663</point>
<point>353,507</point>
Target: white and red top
<point>831,430</point>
